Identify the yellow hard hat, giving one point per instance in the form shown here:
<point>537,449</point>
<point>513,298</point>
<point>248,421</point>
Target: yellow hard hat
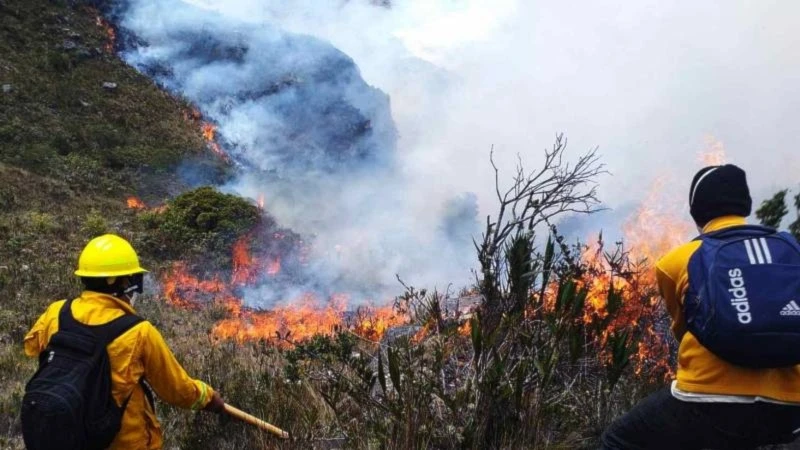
<point>108,256</point>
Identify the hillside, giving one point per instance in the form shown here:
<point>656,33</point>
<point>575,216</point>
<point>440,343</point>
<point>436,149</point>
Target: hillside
<point>71,152</point>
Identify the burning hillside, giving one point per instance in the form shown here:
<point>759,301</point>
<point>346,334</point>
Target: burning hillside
<point>300,315</point>
<point>299,320</point>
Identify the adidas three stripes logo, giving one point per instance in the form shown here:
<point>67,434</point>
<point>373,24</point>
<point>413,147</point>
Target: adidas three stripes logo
<point>758,251</point>
<point>791,309</point>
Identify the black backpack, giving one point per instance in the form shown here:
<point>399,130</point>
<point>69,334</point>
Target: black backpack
<point>68,403</point>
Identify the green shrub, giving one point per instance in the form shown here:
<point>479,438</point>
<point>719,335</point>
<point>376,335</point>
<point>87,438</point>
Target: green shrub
<point>202,222</point>
<point>94,225</point>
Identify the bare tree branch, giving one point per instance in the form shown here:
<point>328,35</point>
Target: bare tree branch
<point>538,196</point>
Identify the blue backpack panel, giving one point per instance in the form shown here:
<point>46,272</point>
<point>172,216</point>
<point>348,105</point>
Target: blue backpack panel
<point>743,299</point>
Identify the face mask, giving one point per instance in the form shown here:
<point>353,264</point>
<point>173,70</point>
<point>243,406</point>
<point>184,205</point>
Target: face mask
<point>137,282</point>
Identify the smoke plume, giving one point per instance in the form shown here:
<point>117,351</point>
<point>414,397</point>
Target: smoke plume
<point>368,124</point>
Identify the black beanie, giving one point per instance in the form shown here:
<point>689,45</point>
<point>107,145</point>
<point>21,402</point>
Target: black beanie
<point>719,191</point>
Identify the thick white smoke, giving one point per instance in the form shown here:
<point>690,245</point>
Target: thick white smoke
<point>646,81</point>
<point>314,140</point>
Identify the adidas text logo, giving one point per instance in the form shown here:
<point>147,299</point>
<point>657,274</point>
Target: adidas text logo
<point>739,294</point>
<point>791,309</point>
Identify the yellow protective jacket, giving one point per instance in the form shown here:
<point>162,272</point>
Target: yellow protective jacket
<point>699,370</point>
<point>139,352</point>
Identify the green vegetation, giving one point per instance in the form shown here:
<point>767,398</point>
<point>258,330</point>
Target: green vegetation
<point>200,224</point>
<point>772,212</point>
<point>57,118</point>
<point>71,151</point>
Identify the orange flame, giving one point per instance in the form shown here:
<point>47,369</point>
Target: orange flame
<point>304,319</point>
<point>243,263</point>
<point>465,329</point>
<point>283,325</point>
<point>656,227</point>
<point>183,289</point>
<point>209,132</point>
<point>373,322</point>
<point>135,203</point>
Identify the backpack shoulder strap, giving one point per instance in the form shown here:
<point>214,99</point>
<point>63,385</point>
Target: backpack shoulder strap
<point>106,332</point>
<point>116,328</point>
<point>66,320</point>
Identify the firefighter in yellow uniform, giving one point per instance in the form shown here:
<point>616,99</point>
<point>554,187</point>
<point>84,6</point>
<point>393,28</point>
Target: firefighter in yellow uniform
<point>110,271</point>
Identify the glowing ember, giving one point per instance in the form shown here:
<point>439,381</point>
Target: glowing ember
<point>135,203</point>
<point>111,35</point>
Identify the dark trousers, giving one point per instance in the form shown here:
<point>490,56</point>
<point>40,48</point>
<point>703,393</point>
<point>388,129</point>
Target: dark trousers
<point>663,422</point>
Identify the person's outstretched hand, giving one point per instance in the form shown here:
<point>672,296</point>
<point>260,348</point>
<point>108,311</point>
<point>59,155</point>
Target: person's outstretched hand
<point>216,405</point>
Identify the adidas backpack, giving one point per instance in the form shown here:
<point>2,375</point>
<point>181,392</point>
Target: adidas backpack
<point>743,298</point>
<point>68,403</point>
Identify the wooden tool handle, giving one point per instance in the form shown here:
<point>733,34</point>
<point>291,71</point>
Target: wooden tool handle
<point>252,420</point>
